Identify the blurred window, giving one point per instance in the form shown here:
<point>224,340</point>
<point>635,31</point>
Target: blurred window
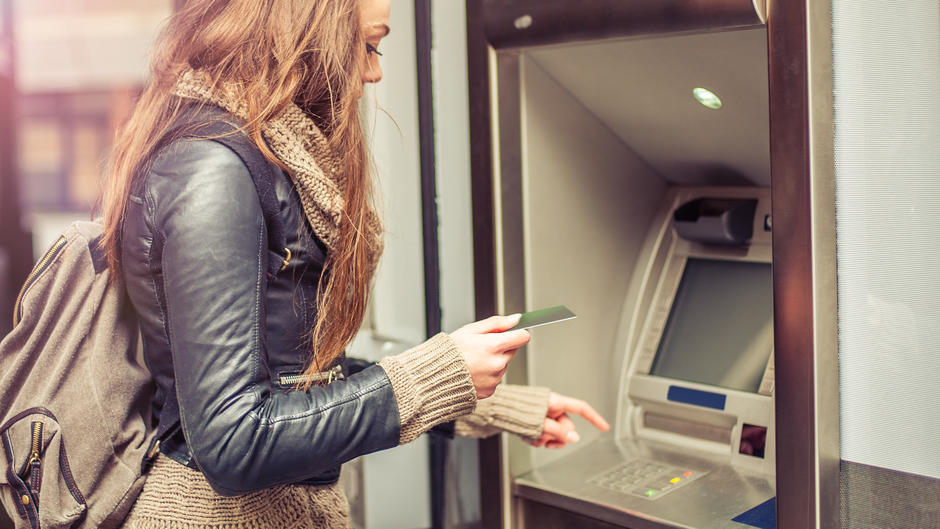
<point>80,64</point>
<point>85,45</point>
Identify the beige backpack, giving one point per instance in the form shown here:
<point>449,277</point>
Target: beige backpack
<point>75,397</point>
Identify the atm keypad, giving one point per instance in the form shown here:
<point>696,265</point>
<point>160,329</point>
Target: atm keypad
<point>646,479</point>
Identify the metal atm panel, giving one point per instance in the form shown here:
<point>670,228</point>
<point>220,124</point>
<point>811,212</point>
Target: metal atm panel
<point>676,458</point>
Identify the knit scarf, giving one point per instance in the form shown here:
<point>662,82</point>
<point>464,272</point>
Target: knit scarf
<point>299,144</point>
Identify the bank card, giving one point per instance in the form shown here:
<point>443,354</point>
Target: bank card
<point>544,317</point>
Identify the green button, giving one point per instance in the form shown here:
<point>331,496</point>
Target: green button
<point>650,492</point>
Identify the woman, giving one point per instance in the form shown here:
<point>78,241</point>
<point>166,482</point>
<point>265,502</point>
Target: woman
<point>246,363</point>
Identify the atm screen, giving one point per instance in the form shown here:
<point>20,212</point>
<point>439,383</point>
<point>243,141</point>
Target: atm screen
<point>720,328</point>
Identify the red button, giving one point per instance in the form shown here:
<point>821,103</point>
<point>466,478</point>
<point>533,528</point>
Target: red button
<point>687,474</point>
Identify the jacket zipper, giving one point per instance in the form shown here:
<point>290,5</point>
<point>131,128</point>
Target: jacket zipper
<point>286,260</point>
<point>329,376</point>
<point>40,267</point>
<point>34,458</point>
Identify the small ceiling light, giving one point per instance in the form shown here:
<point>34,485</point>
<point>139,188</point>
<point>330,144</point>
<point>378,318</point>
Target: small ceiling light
<point>523,22</point>
<point>707,98</point>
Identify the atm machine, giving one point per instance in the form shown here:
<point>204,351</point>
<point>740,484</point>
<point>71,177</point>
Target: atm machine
<point>693,444</point>
<point>611,189</point>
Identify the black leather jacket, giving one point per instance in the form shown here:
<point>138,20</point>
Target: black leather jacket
<point>221,334</point>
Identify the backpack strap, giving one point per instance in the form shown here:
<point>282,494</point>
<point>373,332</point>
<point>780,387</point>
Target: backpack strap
<point>165,430</point>
<point>228,134</point>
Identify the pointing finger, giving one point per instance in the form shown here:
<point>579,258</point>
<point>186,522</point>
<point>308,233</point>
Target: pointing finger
<point>585,410</point>
<point>593,417</point>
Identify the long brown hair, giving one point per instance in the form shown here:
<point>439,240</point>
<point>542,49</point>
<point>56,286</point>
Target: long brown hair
<point>308,52</point>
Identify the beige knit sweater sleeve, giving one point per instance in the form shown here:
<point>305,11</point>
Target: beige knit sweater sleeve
<point>432,385</point>
<point>515,409</point>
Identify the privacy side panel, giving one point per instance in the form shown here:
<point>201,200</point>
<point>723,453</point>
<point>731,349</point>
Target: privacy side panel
<point>587,200</point>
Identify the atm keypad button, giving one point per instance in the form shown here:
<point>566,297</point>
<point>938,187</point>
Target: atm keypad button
<point>645,479</point>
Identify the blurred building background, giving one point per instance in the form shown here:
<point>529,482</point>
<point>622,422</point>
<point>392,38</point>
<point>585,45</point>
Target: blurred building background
<point>70,71</point>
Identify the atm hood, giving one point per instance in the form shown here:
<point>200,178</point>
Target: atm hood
<point>641,88</point>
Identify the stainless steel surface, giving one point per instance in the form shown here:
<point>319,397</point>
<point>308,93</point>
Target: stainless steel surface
<point>823,212</point>
<point>510,250</point>
<point>516,23</point>
<point>711,501</point>
<point>510,253</point>
<point>887,499</point>
<point>646,99</point>
<point>806,416</point>
<point>480,76</point>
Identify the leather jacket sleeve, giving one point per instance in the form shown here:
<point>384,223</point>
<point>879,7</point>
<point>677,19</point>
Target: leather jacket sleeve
<point>243,434</point>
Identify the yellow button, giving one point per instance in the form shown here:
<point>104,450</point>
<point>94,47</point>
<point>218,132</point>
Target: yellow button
<point>675,480</point>
<point>25,499</point>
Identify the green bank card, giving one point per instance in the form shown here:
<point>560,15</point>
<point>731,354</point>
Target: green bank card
<point>544,317</point>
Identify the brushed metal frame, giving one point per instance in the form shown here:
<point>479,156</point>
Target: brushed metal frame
<point>519,23</point>
<point>825,291</point>
<point>802,175</point>
<point>508,187</point>
<point>492,489</point>
<point>805,317</point>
